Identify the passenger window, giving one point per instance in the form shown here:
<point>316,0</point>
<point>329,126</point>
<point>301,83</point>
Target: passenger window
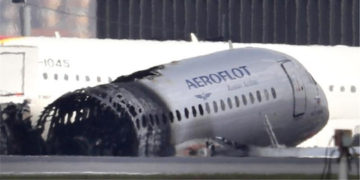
<point>266,92</point>
<point>353,89</point>
<point>215,106</point>
<point>144,121</point>
<point>55,76</point>
<point>201,111</point>
<point>45,75</point>
<point>331,88</point>
<point>252,99</point>
<point>244,99</point>
<point>109,79</point>
<point>87,78</point>
<point>178,115</point>
<point>258,95</point>
<point>222,104</point>
<point>66,77</point>
<point>229,103</point>
<point>186,111</point>
<point>171,116</point>
<point>273,92</point>
<point>77,78</point>
<point>342,88</point>
<point>193,111</point>
<point>98,79</point>
<point>207,107</point>
<point>237,101</point>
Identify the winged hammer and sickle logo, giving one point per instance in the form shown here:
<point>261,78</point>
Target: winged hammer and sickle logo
<point>203,96</point>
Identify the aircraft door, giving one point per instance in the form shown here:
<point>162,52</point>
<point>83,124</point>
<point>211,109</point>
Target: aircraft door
<point>297,88</point>
<point>12,69</point>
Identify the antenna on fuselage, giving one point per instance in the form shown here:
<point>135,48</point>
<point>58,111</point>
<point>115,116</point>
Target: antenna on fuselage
<point>230,44</point>
<point>57,34</point>
<point>193,38</point>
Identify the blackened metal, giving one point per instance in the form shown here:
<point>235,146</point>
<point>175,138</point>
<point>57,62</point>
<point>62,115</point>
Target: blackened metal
<point>148,73</point>
<point>16,133</point>
<point>104,120</point>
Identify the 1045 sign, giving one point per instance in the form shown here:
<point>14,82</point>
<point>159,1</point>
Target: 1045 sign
<point>62,63</point>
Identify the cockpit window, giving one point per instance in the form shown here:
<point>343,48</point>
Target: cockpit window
<point>312,78</point>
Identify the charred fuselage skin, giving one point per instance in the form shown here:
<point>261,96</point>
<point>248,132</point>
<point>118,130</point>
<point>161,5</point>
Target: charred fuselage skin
<point>106,120</point>
<point>228,94</point>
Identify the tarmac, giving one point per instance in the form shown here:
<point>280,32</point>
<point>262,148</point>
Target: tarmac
<point>163,165</point>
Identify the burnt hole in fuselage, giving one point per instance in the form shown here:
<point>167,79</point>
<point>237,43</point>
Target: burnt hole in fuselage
<point>88,128</point>
<point>132,110</point>
<point>112,119</point>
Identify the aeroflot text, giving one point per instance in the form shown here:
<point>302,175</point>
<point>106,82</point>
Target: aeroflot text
<point>217,78</point>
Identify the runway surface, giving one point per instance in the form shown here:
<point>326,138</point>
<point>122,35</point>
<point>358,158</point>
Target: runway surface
<point>166,165</point>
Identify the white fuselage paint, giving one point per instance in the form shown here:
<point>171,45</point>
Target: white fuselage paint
<point>336,66</point>
<point>243,123</point>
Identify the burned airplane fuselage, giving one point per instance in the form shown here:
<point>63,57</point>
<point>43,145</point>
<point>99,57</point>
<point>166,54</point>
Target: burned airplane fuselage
<point>106,120</point>
<point>242,95</point>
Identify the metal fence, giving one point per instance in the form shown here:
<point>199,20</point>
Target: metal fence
<point>326,22</point>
